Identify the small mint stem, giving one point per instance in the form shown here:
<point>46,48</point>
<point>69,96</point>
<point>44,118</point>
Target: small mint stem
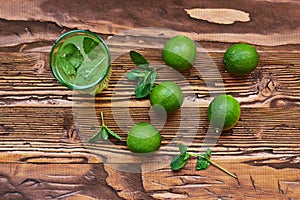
<point>102,118</point>
<point>216,165</point>
<point>223,169</point>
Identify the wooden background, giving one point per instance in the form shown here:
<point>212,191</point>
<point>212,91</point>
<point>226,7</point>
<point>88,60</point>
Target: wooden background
<point>44,154</point>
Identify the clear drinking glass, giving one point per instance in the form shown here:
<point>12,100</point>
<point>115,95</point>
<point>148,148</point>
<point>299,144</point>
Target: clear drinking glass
<point>80,60</point>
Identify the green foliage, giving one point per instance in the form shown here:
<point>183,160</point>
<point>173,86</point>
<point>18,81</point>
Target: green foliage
<point>72,55</point>
<point>103,133</point>
<point>203,161</point>
<point>144,75</point>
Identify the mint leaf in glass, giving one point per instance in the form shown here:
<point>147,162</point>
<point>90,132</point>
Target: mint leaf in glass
<point>89,44</point>
<point>73,55</point>
<point>67,67</point>
<point>91,48</point>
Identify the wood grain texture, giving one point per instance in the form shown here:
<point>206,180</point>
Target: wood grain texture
<point>49,136</point>
<point>45,20</point>
<point>44,127</point>
<point>275,82</point>
<point>253,183</point>
<point>31,181</point>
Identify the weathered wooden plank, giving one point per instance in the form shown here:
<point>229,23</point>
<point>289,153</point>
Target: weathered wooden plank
<point>255,181</point>
<point>98,181</point>
<point>269,22</point>
<point>65,181</point>
<point>27,80</point>
<point>59,135</point>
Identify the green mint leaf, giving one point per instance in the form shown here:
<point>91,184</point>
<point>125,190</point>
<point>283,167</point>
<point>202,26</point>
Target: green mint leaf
<point>182,149</point>
<point>204,160</point>
<point>186,156</point>
<point>135,74</point>
<point>138,59</point>
<point>145,79</point>
<point>73,55</point>
<point>112,133</point>
<point>178,163</point>
<point>104,133</point>
<point>89,44</point>
<point>208,153</point>
<point>145,84</point>
<point>67,67</point>
<point>202,163</point>
<point>92,48</point>
<point>96,137</point>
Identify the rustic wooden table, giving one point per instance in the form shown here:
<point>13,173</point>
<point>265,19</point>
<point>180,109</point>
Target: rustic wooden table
<point>44,154</point>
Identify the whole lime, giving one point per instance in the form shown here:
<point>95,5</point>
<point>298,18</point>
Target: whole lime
<point>143,138</point>
<point>179,52</point>
<point>166,96</point>
<point>224,112</point>
<point>241,59</point>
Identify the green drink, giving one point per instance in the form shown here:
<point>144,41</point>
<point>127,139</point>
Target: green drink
<point>80,60</point>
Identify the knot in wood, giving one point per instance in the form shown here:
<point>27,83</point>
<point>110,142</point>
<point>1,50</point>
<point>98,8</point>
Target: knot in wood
<point>267,86</point>
<point>72,134</point>
<point>39,67</point>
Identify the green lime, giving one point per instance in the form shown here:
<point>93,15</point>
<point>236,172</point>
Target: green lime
<point>179,52</point>
<point>166,96</point>
<point>143,138</point>
<point>241,59</point>
<point>224,112</point>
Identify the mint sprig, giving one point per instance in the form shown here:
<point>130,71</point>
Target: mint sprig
<point>89,44</point>
<point>72,54</point>
<point>179,161</point>
<point>203,161</point>
<point>103,133</point>
<point>144,75</point>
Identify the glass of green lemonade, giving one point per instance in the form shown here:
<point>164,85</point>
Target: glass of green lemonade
<point>80,60</point>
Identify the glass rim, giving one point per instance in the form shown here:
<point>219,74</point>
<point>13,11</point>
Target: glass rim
<point>65,83</point>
